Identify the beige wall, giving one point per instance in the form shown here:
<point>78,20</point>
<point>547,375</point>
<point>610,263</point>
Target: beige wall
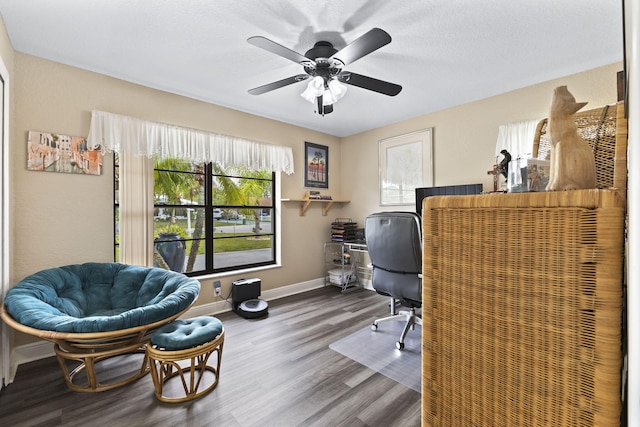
<point>464,137</point>
<point>6,50</point>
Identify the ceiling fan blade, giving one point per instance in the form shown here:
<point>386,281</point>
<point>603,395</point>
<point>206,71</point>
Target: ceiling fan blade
<point>273,47</point>
<point>369,83</point>
<point>370,41</point>
<point>277,85</point>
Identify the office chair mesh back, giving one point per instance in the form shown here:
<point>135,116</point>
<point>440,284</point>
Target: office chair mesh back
<point>394,242</point>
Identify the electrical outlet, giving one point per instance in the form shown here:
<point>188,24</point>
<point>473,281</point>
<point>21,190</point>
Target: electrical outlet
<point>217,288</point>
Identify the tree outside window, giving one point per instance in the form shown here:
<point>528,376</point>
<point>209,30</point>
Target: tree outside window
<point>209,218</point>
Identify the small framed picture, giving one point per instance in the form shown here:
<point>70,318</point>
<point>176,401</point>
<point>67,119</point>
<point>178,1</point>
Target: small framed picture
<point>316,165</point>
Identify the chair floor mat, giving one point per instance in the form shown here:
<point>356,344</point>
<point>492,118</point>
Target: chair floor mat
<point>377,351</point>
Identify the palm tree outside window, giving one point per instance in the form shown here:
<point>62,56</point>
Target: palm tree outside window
<point>209,218</point>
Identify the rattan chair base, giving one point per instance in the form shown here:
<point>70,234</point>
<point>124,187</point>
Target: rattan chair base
<point>91,348</point>
<point>88,363</point>
<point>165,367</point>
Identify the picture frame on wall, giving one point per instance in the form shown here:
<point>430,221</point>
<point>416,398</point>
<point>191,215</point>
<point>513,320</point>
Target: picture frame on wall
<point>405,163</point>
<point>51,152</point>
<point>316,165</point>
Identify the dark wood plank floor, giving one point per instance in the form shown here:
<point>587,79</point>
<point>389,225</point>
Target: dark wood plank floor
<point>276,371</point>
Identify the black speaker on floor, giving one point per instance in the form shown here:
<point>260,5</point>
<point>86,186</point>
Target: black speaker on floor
<point>245,301</point>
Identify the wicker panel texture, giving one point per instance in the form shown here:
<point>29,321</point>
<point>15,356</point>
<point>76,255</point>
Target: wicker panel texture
<point>522,309</point>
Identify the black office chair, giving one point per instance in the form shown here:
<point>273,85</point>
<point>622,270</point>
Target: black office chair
<point>394,242</point>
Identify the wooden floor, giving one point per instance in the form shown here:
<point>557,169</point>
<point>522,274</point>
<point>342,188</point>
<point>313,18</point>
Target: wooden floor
<point>276,371</point>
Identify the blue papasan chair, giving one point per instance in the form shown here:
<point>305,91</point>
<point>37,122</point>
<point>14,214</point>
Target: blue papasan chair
<point>95,311</point>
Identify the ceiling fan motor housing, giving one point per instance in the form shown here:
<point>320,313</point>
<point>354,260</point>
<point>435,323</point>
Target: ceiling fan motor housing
<point>321,49</point>
<point>323,65</point>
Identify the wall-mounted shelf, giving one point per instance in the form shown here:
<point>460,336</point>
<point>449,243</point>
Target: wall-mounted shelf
<point>305,203</point>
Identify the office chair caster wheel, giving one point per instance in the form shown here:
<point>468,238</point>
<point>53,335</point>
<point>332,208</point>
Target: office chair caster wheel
<point>374,327</point>
<point>400,345</point>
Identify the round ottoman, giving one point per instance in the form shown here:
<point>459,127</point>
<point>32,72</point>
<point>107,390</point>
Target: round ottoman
<point>184,348</point>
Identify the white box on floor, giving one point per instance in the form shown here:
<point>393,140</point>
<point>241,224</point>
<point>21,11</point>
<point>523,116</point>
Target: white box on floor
<point>340,277</point>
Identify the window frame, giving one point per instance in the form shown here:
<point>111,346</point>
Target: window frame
<point>209,206</point>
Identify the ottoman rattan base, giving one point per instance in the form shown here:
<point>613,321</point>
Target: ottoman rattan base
<point>188,367</point>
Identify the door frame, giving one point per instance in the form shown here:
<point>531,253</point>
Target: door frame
<point>5,245</point>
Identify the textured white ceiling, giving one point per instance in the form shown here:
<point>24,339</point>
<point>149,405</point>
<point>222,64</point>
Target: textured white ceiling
<point>443,52</point>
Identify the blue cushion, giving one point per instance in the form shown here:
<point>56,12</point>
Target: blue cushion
<point>99,297</point>
<point>187,333</point>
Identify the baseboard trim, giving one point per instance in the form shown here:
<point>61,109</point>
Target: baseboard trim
<point>42,349</point>
<point>28,353</point>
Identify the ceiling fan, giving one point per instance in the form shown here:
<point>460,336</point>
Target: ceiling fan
<point>323,64</point>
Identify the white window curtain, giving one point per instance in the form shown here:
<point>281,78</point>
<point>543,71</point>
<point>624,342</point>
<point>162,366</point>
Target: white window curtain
<point>138,141</point>
<point>136,209</point>
<point>517,138</point>
<point>115,132</point>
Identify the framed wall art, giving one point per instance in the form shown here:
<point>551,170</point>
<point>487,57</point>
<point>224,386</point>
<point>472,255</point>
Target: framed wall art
<point>405,163</point>
<point>52,152</point>
<point>316,165</point>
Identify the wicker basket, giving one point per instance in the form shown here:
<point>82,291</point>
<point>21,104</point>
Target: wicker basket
<point>522,305</point>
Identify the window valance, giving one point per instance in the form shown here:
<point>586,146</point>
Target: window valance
<point>115,132</point>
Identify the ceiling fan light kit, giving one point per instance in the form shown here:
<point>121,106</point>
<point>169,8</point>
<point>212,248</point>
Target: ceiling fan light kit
<point>335,90</point>
<point>324,94</point>
<point>324,65</point>
<point>314,89</point>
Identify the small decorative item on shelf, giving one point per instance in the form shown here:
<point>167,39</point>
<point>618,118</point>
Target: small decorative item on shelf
<point>501,169</point>
<point>495,172</point>
<point>528,175</point>
<point>573,164</point>
<point>315,195</point>
<point>343,230</point>
<point>504,163</point>
<point>346,258</point>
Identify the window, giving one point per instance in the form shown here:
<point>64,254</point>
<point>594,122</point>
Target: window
<point>208,219</point>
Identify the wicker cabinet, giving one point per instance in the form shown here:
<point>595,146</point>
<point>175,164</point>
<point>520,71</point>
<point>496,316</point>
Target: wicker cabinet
<point>523,306</point>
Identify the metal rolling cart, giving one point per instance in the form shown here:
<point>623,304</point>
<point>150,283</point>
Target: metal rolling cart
<point>346,257</point>
<point>339,270</point>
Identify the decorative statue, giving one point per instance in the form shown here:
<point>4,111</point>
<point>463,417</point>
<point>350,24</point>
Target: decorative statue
<point>572,164</point>
<point>501,168</point>
<point>504,163</point>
